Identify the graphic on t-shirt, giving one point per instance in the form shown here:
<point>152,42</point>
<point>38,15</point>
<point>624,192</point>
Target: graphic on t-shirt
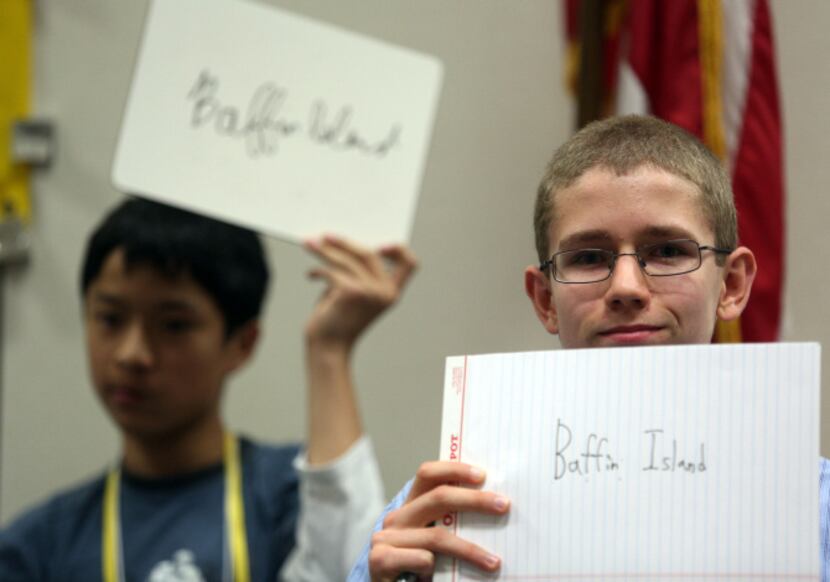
<point>180,569</point>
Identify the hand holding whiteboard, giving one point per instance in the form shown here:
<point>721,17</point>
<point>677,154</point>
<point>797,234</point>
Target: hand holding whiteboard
<point>289,126</point>
<point>666,463</point>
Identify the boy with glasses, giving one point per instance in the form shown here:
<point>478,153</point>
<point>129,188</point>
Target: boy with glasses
<point>636,233</point>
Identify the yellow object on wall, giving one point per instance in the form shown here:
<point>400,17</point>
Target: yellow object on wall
<point>15,93</point>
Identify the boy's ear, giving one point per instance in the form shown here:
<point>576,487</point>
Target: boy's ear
<point>738,274</point>
<point>242,344</point>
<point>537,287</point>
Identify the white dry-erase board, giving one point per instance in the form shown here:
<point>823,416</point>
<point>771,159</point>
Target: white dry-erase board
<point>693,463</point>
<point>275,121</point>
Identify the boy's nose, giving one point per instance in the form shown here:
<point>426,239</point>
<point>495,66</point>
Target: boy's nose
<point>629,286</point>
<point>134,348</point>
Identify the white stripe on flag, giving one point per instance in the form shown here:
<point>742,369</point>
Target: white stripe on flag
<point>737,46</point>
<point>631,97</point>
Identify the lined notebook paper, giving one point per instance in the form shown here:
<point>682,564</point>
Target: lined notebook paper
<point>668,463</point>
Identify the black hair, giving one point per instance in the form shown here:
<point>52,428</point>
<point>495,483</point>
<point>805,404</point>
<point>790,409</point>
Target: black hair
<point>227,261</point>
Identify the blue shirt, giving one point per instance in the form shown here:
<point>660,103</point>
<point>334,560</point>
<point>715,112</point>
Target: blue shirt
<point>360,571</point>
<point>166,524</point>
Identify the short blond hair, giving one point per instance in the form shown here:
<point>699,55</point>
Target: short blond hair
<point>623,144</point>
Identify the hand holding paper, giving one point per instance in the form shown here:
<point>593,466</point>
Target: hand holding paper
<point>407,543</point>
<point>361,284</point>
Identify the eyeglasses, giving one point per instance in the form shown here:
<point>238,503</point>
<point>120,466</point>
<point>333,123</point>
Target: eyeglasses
<point>664,259</point>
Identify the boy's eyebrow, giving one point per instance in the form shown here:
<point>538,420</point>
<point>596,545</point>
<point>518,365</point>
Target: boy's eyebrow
<point>580,239</point>
<point>165,305</point>
<point>588,237</point>
<point>175,305</point>
<point>668,232</point>
<point>103,297</point>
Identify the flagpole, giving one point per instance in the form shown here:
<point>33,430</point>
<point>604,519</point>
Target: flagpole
<point>589,83</point>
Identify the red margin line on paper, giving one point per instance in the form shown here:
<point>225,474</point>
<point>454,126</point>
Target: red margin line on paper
<point>461,427</point>
<point>460,443</point>
<point>658,575</point>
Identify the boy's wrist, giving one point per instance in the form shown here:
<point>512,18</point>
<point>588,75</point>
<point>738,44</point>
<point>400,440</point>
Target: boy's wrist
<point>328,350</point>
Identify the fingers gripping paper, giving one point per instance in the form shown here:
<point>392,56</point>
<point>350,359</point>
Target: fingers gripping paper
<point>684,462</point>
<point>278,122</point>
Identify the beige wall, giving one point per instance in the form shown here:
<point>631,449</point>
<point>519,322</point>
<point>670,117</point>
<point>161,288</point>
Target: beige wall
<point>502,112</point>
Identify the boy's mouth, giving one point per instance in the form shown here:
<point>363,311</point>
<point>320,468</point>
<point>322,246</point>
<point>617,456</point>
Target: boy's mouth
<point>631,334</point>
<point>126,396</point>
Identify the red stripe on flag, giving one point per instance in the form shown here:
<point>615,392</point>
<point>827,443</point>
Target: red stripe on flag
<point>758,183</point>
<point>664,54</point>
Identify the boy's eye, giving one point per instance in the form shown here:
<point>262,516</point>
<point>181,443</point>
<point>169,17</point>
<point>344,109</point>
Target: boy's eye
<point>109,319</point>
<point>670,250</point>
<point>586,258</point>
<point>178,325</point>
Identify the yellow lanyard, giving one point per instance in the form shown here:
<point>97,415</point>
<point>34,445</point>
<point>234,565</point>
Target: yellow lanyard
<point>234,518</point>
